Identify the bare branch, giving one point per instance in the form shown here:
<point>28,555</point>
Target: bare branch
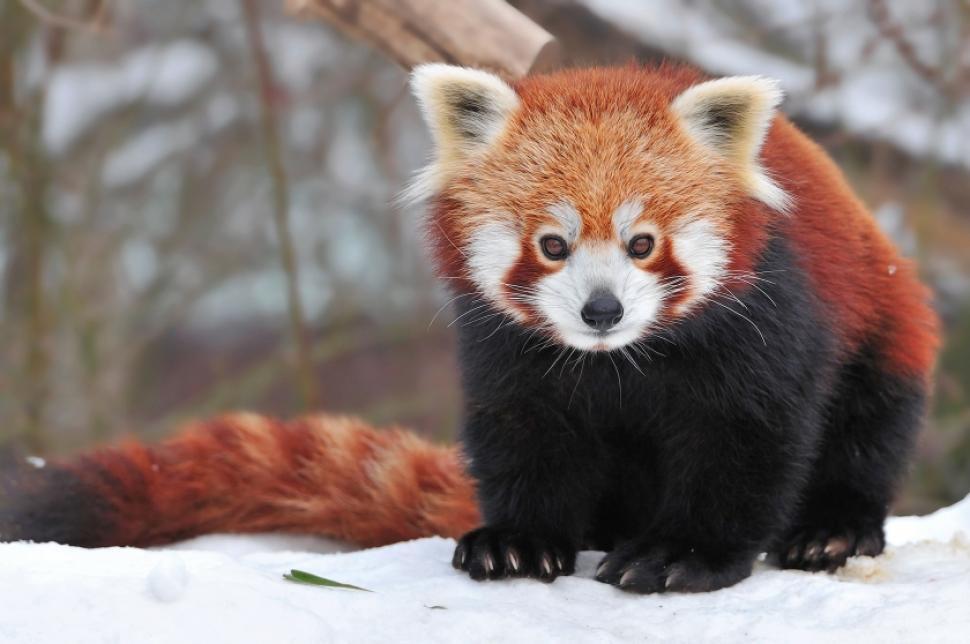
<point>281,206</point>
<point>489,34</point>
<point>895,34</point>
<point>94,24</point>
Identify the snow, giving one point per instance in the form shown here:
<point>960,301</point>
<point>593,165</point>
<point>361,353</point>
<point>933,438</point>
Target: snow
<point>230,588</point>
<point>168,579</point>
<point>300,52</point>
<point>137,157</point>
<point>141,154</point>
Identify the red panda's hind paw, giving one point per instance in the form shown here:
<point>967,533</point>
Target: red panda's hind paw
<point>494,552</point>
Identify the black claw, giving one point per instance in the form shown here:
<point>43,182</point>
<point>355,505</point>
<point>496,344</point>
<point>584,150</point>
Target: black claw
<point>461,555</point>
<point>488,562</point>
<point>513,561</point>
<point>813,551</point>
<point>494,553</point>
<point>639,580</point>
<point>871,545</point>
<point>676,578</point>
<point>608,570</point>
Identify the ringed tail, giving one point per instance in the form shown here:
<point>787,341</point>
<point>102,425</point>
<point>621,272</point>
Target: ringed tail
<point>242,473</point>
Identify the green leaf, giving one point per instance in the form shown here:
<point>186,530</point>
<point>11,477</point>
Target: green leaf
<point>303,577</point>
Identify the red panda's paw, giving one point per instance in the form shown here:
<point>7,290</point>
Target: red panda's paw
<point>670,567</point>
<point>828,549</point>
<point>494,552</point>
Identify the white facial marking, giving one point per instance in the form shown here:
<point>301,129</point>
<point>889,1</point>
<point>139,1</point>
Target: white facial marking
<point>492,251</point>
<point>595,267</point>
<point>568,218</point>
<point>704,253</point>
<point>625,216</point>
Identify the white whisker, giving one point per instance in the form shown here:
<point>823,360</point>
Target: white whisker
<point>743,317</point>
<point>444,306</point>
<point>619,381</point>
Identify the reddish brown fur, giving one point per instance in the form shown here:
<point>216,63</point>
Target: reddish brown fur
<point>872,292</point>
<point>317,475</point>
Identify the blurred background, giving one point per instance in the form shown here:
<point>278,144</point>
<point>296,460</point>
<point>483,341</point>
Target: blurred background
<point>196,201</point>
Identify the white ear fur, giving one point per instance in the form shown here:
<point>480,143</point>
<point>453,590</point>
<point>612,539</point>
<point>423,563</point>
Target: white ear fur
<point>465,110</point>
<point>731,117</point>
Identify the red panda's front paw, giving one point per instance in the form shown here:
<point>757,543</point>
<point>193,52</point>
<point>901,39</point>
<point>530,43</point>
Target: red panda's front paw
<point>662,567</point>
<point>496,552</point>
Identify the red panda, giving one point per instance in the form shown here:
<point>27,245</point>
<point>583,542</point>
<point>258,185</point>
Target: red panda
<point>683,340</point>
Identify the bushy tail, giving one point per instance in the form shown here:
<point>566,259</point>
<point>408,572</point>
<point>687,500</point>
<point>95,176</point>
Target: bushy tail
<point>324,475</point>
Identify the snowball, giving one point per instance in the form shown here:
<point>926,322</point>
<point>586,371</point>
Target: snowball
<point>168,579</point>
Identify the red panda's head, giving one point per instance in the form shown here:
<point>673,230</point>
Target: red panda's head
<point>598,205</point>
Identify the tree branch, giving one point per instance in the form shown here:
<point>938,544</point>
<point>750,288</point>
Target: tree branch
<point>274,161</point>
<point>489,34</point>
<point>895,34</point>
<point>95,23</point>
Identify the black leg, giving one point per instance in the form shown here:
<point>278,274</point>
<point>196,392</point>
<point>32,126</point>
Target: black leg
<point>869,435</point>
<point>728,487</point>
<point>535,485</point>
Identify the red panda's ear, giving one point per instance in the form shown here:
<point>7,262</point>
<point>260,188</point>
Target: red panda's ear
<point>465,110</point>
<point>731,117</point>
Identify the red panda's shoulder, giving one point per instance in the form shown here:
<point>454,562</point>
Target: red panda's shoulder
<point>872,294</point>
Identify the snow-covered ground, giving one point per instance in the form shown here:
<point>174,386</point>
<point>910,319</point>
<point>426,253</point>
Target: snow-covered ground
<point>231,589</point>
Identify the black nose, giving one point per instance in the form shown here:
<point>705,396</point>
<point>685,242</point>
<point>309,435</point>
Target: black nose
<point>602,311</point>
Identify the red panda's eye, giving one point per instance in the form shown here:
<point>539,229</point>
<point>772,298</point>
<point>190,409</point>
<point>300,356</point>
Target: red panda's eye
<point>641,246</point>
<point>554,247</point>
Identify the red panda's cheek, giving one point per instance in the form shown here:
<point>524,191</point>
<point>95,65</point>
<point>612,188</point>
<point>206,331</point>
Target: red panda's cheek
<point>491,251</point>
<point>522,280</point>
<point>673,277</point>
<point>699,251</point>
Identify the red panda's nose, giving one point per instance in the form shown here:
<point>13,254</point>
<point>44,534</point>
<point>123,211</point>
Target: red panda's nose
<point>602,311</point>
